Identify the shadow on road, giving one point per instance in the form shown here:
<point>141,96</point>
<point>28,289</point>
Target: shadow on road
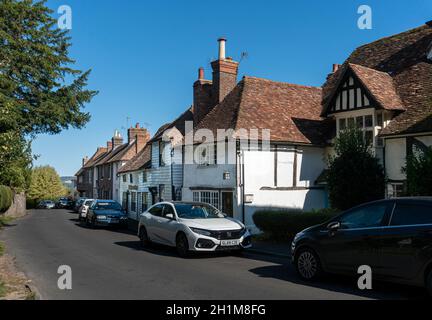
<point>162,250</point>
<point>342,284</point>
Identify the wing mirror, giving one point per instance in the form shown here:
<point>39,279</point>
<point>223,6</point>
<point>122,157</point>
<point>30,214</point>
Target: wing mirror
<point>334,226</point>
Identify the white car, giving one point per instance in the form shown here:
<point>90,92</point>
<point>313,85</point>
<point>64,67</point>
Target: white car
<point>82,211</point>
<point>192,226</point>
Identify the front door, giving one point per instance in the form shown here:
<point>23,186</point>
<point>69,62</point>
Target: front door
<point>227,203</point>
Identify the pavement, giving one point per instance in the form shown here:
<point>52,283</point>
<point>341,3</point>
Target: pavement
<point>109,264</point>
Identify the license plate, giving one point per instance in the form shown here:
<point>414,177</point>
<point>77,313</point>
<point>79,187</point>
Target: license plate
<point>227,243</point>
<point>114,220</point>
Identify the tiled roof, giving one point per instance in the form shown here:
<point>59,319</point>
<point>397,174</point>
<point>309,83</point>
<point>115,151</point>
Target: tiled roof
<point>100,152</point>
<point>140,160</point>
<point>178,123</point>
<point>111,154</point>
<point>291,112</point>
<point>380,85</point>
<point>404,58</point>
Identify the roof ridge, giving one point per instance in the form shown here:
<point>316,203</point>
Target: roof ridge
<point>392,36</point>
<point>282,82</point>
<point>364,67</point>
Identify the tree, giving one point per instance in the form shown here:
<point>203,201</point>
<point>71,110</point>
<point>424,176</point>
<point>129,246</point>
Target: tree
<point>40,92</point>
<point>34,66</point>
<point>418,170</point>
<point>355,176</point>
<point>45,184</point>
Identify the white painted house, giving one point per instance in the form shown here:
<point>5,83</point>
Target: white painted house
<point>284,174</point>
<point>156,173</point>
<point>385,88</point>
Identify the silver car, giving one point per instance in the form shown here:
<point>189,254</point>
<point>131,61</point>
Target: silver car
<point>192,226</point>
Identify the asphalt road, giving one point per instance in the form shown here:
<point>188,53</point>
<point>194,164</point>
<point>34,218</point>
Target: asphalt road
<point>109,264</point>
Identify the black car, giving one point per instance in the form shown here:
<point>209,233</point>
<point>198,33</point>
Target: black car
<point>393,237</point>
<point>64,203</point>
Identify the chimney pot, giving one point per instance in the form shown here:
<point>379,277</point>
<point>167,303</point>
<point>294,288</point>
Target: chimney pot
<point>335,67</point>
<point>201,73</point>
<point>222,42</point>
<point>137,125</point>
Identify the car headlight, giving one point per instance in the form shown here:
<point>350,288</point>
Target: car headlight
<point>202,231</point>
<point>101,217</point>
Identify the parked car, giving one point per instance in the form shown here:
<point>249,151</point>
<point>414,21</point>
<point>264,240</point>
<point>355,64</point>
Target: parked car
<point>393,237</point>
<point>106,213</point>
<point>64,203</point>
<point>78,204</point>
<point>192,226</point>
<point>46,204</point>
<point>82,212</point>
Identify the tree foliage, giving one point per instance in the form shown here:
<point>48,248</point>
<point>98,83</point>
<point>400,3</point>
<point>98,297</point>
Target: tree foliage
<point>40,91</point>
<point>45,184</point>
<point>418,170</point>
<point>355,176</point>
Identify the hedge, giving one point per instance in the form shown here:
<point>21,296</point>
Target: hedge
<point>6,197</point>
<point>284,224</point>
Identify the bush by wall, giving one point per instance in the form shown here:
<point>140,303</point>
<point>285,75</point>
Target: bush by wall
<point>6,196</point>
<point>284,224</point>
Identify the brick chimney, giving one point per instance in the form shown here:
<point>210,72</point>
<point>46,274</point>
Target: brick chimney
<point>117,140</point>
<point>202,97</point>
<point>109,145</point>
<point>225,72</point>
<point>140,135</point>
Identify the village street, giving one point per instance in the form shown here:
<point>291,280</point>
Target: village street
<point>109,264</point>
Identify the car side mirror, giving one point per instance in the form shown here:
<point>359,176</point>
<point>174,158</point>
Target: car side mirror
<point>169,216</point>
<point>334,226</point>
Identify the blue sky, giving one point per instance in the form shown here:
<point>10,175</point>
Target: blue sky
<point>144,55</point>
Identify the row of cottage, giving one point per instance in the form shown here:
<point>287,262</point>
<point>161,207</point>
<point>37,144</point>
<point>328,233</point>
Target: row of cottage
<point>384,88</point>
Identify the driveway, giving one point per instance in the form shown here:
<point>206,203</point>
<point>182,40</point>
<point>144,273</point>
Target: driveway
<point>109,264</point>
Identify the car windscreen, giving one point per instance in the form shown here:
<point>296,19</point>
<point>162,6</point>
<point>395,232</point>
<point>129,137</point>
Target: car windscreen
<point>88,202</point>
<point>197,211</point>
<point>107,206</point>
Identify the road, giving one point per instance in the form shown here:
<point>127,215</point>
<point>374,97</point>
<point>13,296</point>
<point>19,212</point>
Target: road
<point>109,264</point>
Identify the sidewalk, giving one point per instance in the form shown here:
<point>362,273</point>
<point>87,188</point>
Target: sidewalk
<point>278,249</point>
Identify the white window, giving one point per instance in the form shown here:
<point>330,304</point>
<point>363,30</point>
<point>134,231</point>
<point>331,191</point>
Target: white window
<point>210,197</point>
<point>364,123</point>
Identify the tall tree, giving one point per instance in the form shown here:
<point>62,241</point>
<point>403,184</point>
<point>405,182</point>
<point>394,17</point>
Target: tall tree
<point>34,66</point>
<point>40,91</point>
<point>45,184</point>
<point>355,176</point>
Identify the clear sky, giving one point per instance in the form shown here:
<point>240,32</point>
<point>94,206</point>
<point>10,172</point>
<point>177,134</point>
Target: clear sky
<point>145,54</point>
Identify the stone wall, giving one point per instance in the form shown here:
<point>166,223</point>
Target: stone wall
<point>18,207</point>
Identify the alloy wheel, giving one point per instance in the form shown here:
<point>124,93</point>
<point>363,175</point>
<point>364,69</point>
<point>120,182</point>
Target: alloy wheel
<point>307,265</point>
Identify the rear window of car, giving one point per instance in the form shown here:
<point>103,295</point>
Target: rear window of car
<point>411,214</point>
<point>108,206</point>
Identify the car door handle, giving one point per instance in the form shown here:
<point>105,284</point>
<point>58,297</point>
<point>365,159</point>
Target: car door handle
<point>405,242</point>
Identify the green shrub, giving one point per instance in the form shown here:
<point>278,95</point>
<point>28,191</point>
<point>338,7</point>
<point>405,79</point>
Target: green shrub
<point>284,224</point>
<point>6,197</point>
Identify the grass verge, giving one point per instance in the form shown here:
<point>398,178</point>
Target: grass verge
<point>3,290</point>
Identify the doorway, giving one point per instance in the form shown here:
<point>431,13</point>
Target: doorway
<point>227,203</point>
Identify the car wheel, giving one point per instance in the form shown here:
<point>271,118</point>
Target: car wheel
<point>307,264</point>
<point>145,241</point>
<point>429,282</point>
<point>182,245</point>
